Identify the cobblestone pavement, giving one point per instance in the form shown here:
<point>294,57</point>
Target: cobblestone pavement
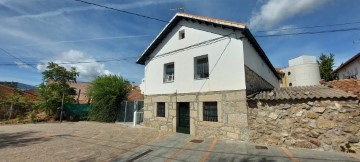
<point>78,141</point>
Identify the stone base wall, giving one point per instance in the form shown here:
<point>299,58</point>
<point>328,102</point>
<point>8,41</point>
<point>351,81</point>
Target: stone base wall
<point>324,125</point>
<point>232,113</point>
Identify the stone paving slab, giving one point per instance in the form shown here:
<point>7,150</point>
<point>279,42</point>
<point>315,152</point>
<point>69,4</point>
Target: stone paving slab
<point>91,141</point>
<point>177,147</point>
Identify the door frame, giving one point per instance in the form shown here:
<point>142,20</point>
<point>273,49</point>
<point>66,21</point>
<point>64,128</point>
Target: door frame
<point>182,129</point>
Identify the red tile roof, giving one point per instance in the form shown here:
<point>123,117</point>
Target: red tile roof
<point>302,92</point>
<point>348,85</point>
<point>81,87</point>
<point>213,20</point>
<point>135,94</point>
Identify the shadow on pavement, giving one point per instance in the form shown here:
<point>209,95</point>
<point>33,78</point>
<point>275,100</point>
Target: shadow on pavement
<point>19,139</point>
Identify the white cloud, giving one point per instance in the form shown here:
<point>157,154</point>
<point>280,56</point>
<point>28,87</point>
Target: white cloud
<point>87,7</point>
<point>21,64</point>
<point>284,30</point>
<point>275,11</point>
<point>88,71</point>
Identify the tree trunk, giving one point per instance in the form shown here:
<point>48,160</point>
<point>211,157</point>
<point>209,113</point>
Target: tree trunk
<point>62,107</point>
<point>11,109</point>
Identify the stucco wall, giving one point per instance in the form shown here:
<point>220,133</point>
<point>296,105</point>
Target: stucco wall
<point>232,114</point>
<point>303,75</point>
<point>227,74</point>
<point>352,68</point>
<point>257,64</point>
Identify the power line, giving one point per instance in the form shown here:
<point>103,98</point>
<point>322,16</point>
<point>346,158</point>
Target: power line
<point>197,45</point>
<point>308,27</point>
<point>127,12</point>
<point>310,32</point>
<point>8,53</point>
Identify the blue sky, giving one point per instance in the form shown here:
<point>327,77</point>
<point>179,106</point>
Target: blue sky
<point>38,31</point>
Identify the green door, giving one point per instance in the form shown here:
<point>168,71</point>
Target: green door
<point>183,118</point>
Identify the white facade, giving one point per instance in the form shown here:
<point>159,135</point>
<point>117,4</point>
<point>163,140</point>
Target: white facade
<point>257,64</point>
<point>302,71</point>
<point>350,70</point>
<point>225,57</point>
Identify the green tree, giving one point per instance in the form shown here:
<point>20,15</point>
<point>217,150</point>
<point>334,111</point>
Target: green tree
<point>107,92</point>
<point>54,86</point>
<point>326,63</point>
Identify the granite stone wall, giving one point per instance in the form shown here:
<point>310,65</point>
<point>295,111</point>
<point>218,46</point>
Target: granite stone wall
<point>323,125</point>
<point>232,114</point>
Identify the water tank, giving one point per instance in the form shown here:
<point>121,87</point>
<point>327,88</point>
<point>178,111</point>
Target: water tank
<point>304,70</point>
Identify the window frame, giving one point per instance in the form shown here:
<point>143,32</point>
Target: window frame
<point>160,111</point>
<point>195,67</point>
<point>207,113</point>
<point>182,34</point>
<point>165,80</point>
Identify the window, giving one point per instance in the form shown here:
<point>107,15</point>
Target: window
<point>210,111</point>
<point>181,34</point>
<point>201,67</point>
<point>289,73</point>
<point>160,109</point>
<point>169,72</point>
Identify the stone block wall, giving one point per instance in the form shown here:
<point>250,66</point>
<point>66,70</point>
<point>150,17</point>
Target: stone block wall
<point>232,113</point>
<point>323,125</point>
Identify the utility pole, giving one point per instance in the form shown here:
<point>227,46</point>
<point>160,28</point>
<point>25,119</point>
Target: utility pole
<point>62,107</point>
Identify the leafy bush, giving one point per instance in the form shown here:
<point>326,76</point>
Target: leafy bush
<point>107,92</point>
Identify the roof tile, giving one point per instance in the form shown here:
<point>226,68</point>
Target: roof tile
<point>302,92</point>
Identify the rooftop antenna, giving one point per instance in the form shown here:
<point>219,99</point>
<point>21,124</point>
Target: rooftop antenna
<point>181,9</point>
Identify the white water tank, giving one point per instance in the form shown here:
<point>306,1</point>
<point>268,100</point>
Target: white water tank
<point>303,71</point>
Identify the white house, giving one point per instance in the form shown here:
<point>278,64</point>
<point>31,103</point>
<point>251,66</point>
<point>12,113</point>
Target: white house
<point>302,71</point>
<point>349,69</point>
<point>198,71</point>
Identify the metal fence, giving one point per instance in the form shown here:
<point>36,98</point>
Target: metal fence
<point>76,111</point>
<point>9,111</point>
<point>128,109</point>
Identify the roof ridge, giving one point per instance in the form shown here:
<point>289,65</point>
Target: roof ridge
<point>210,18</point>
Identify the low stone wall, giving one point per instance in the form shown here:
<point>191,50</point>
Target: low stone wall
<point>324,125</point>
<point>232,113</point>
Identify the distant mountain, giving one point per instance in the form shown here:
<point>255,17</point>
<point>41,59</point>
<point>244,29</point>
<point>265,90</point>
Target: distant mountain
<point>20,86</point>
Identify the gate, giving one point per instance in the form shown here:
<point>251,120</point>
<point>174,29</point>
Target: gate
<point>127,111</point>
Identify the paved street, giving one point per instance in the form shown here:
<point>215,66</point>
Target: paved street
<point>78,141</point>
<point>90,141</point>
<point>177,147</point>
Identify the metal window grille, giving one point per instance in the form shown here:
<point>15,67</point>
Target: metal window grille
<point>201,67</point>
<point>161,109</point>
<point>210,111</point>
<point>169,72</point>
<point>126,112</point>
